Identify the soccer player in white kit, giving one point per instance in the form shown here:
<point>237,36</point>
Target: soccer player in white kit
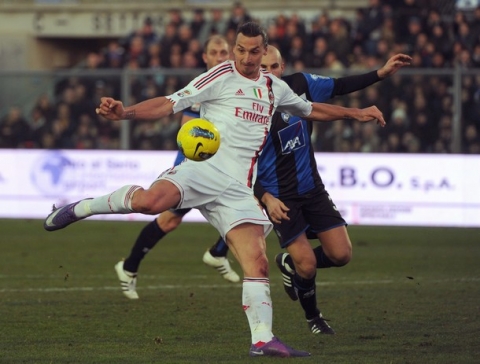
<point>240,100</point>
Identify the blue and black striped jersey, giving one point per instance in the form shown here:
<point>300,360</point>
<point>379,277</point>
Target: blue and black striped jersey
<point>287,166</point>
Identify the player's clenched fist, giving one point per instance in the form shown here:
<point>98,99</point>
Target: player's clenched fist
<point>110,108</point>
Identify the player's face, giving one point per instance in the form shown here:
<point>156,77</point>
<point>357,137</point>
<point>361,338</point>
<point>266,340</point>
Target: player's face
<point>215,53</point>
<point>272,62</point>
<point>248,52</point>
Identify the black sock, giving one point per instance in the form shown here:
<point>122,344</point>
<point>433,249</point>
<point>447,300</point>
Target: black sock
<point>322,260</point>
<point>146,240</point>
<point>307,295</point>
<point>220,249</point>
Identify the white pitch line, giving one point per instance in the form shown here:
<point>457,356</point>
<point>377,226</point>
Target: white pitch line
<point>230,285</point>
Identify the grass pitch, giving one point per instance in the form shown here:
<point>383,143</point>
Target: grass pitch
<point>409,295</point>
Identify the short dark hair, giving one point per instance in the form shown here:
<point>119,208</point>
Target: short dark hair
<point>251,30</point>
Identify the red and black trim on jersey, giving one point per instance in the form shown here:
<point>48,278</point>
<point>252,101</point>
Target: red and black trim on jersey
<point>255,159</point>
<point>271,96</point>
<point>212,75</point>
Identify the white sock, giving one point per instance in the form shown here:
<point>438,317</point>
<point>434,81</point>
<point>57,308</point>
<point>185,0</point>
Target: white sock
<point>257,305</point>
<point>117,202</point>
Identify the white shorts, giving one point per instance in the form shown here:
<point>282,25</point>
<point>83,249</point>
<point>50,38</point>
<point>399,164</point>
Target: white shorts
<point>222,200</point>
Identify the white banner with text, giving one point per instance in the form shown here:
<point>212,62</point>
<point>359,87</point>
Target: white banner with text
<point>368,189</point>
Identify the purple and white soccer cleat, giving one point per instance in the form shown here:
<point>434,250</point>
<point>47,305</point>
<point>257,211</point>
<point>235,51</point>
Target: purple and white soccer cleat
<point>276,348</point>
<point>61,217</point>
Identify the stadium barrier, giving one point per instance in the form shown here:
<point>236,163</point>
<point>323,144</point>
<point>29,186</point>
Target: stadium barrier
<point>368,189</point>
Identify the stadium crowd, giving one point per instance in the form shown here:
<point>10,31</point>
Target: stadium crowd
<point>419,108</point>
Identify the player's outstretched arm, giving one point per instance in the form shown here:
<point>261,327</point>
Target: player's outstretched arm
<point>150,109</point>
<point>348,84</point>
<point>393,65</point>
<point>326,112</point>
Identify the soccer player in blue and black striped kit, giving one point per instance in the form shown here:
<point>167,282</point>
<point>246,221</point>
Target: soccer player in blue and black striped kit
<point>292,192</point>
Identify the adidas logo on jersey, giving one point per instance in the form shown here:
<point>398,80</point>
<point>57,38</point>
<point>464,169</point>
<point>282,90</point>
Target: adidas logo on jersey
<point>239,92</point>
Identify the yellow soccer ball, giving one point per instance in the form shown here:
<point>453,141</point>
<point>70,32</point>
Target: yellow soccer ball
<point>198,139</point>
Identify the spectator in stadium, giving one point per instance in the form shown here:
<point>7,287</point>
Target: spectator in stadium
<point>290,35</point>
<point>195,47</point>
<point>403,12</point>
<point>334,137</point>
<point>410,143</point>
<point>387,32</point>
<point>463,59</point>
<point>168,40</point>
<point>216,25</point>
<point>113,55</point>
<point>153,56</point>
<point>370,140</point>
<point>147,33</point>
<point>399,121</point>
<point>63,127</point>
<point>332,62</point>
<point>85,136</point>
<point>423,128</point>
<point>370,26</point>
<point>38,125</point>
<point>299,24</point>
<point>414,29</point>
<point>476,56</point>
<point>472,140</point>
<point>198,21</point>
<point>339,40</point>
<point>464,36</point>
<point>296,50</point>
<point>176,17</point>
<point>238,16</point>
<point>189,60</point>
<point>475,23</point>
<point>320,26</point>
<point>46,107</point>
<point>137,53</point>
<point>228,204</point>
<point>14,130</point>
<point>316,58</point>
<point>185,35</point>
<point>175,60</point>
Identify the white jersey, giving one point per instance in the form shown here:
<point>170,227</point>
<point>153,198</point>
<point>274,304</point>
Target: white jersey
<point>242,110</point>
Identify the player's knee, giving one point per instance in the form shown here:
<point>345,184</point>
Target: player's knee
<point>307,272</point>
<point>257,267</point>
<point>306,267</point>
<point>342,258</point>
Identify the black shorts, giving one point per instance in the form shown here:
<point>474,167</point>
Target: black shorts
<point>312,213</point>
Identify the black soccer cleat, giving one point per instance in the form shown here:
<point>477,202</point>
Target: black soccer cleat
<point>319,325</point>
